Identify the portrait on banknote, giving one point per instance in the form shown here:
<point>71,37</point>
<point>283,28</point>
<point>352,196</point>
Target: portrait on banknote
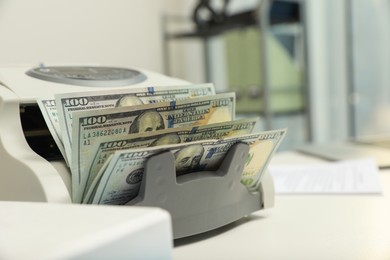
<point>188,158</point>
<point>172,138</point>
<point>128,100</point>
<point>147,122</point>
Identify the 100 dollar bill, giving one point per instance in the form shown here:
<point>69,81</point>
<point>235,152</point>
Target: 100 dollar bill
<point>67,103</point>
<point>106,146</point>
<point>49,111</point>
<point>121,176</point>
<point>88,126</point>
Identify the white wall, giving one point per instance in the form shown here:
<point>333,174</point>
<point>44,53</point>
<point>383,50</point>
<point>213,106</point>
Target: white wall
<point>119,32</point>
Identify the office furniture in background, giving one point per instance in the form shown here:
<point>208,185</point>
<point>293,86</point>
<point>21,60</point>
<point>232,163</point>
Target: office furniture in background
<point>264,62</point>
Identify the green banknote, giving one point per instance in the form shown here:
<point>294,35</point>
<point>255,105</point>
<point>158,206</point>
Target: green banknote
<point>119,181</point>
<point>89,126</point>
<point>68,103</point>
<point>49,111</point>
<point>106,146</point>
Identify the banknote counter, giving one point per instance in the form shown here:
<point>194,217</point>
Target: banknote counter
<point>33,168</point>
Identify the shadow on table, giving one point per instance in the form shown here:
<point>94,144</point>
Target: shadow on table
<point>215,232</point>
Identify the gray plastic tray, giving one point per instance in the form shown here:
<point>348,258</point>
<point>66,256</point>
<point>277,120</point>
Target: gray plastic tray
<point>200,201</point>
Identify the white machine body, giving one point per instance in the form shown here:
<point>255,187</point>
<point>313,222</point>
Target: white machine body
<point>25,175</point>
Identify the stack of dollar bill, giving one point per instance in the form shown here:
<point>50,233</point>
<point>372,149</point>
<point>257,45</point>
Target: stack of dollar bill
<point>107,136</point>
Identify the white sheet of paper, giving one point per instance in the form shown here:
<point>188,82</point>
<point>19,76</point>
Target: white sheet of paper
<point>345,177</point>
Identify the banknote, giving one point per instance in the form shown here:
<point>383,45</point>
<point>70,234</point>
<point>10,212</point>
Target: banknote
<point>48,109</point>
<point>88,126</point>
<point>90,193</point>
<point>67,103</point>
<point>106,146</point>
<point>120,180</point>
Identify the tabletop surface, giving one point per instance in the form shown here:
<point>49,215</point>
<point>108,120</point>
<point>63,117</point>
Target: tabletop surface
<point>302,227</point>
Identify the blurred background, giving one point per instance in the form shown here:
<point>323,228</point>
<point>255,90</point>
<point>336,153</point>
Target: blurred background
<point>320,68</point>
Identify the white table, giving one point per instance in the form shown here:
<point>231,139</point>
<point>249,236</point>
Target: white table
<point>302,227</point>
<point>38,231</point>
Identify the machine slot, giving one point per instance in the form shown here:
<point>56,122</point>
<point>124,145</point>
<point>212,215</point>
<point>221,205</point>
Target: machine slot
<point>37,133</point>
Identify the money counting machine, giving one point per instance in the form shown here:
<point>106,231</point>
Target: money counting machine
<point>33,169</point>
